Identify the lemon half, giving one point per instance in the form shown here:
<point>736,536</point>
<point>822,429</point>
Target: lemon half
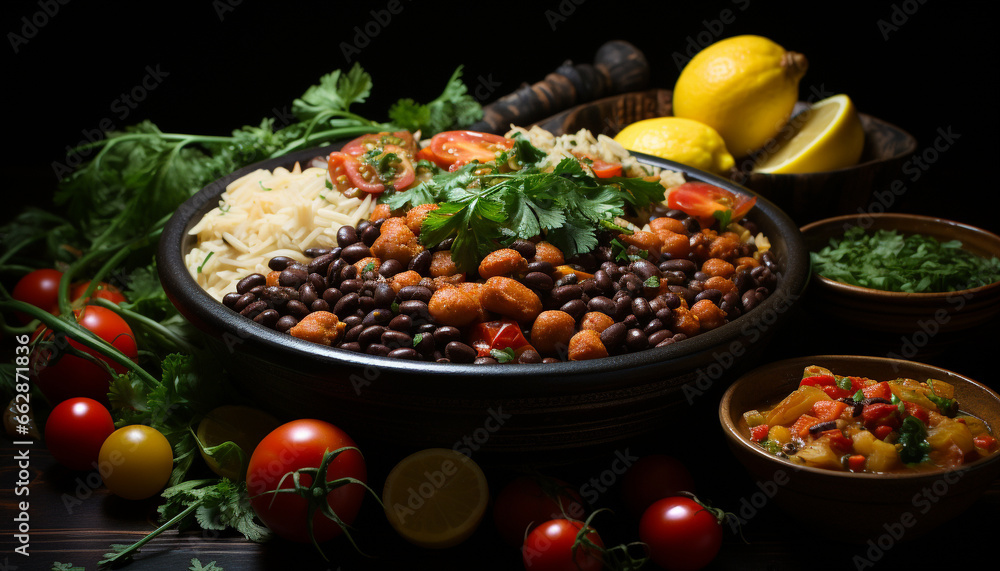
<point>677,139</point>
<point>435,498</point>
<point>828,136</point>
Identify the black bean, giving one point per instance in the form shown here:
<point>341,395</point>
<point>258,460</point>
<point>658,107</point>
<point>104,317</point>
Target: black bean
<point>251,281</point>
<point>318,282</point>
<point>631,283</point>
<point>352,320</point>
<point>566,293</point>
<point>551,360</point>
<point>244,300</point>
<point>377,317</point>
<point>445,334</point>
<point>602,304</point>
<point>691,225</point>
<point>750,299</point>
<point>590,288</point>
<point>253,309</point>
<point>346,305</point>
<point>671,300</point>
<point>665,314</point>
<point>678,265</point>
<point>636,340</point>
<point>658,337</point>
<point>414,308</point>
<point>822,427</point>
<point>524,247</point>
<point>742,280</point>
<point>286,322</point>
<point>346,236</point>
<point>665,342</point>
<point>371,234</point>
<point>675,214</point>
<point>352,334</point>
<point>623,306</point>
<point>401,323</point>
<point>351,286</point>
<point>674,277</point>
<point>603,281</point>
<point>424,344</point>
<point>230,299</point>
<point>529,356</point>
<point>321,264</point>
<point>684,292</point>
<point>421,263</point>
<point>354,347</point>
<point>731,304</point>
<point>366,304</point>
<point>292,277</point>
<point>485,361</point>
<point>415,293</point>
<point>713,295</point>
<point>268,317</point>
<point>319,305</point>
<point>770,261</point>
<point>316,252</point>
<point>641,309</point>
<point>332,295</point>
<point>444,245</point>
<point>575,307</point>
<point>426,327</point>
<point>568,279</point>
<point>378,349</point>
<point>644,269</point>
<point>392,338</point>
<point>279,263</point>
<point>652,326</point>
<point>408,353</point>
<point>333,272</point>
<point>355,252</point>
<point>542,266</point>
<point>297,308</point>
<point>631,321</point>
<point>383,295</point>
<point>679,337</point>
<point>613,336</point>
<point>370,334</point>
<point>390,268</point>
<point>458,352</point>
<point>307,294</point>
<point>538,280</point>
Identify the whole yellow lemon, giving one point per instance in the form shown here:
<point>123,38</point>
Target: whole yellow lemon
<point>685,141</point>
<point>744,87</point>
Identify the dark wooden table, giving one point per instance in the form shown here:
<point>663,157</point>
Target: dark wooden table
<point>74,520</point>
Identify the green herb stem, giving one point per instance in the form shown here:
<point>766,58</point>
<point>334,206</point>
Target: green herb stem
<point>127,553</point>
<point>180,344</point>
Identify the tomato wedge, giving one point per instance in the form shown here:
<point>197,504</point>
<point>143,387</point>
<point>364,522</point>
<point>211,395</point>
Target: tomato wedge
<point>702,200</point>
<point>373,171</point>
<point>365,143</point>
<point>500,335</point>
<point>452,149</point>
<point>602,169</point>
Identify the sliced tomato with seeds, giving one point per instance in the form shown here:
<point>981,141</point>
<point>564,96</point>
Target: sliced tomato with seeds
<point>372,172</point>
<point>702,201</point>
<point>370,141</point>
<point>452,149</point>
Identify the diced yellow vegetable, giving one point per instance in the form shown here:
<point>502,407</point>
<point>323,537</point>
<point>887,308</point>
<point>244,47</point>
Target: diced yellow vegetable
<point>911,391</point>
<point>976,426</point>
<point>779,434</point>
<point>796,404</point>
<point>753,418</point>
<point>941,388</point>
<point>864,442</point>
<point>949,432</point>
<point>883,457</point>
<point>819,455</point>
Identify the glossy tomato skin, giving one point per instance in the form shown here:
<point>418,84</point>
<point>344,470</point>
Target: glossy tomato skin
<point>293,446</point>
<point>135,462</point>
<point>102,290</point>
<point>526,502</point>
<point>680,534</point>
<point>549,547</point>
<point>39,288</point>
<point>365,143</point>
<point>654,477</point>
<point>75,431</point>
<point>61,375</point>
<point>701,200</point>
<point>452,149</point>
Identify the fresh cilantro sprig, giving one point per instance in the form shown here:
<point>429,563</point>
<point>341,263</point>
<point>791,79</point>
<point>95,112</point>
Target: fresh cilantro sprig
<point>453,106</point>
<point>891,261</point>
<point>913,438</point>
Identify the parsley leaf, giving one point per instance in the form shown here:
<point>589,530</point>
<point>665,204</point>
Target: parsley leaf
<point>197,566</point>
<point>335,93</point>
<point>453,108</point>
<point>913,437</point>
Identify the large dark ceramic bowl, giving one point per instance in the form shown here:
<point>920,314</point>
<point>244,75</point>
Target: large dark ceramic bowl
<point>860,507</point>
<point>496,409</point>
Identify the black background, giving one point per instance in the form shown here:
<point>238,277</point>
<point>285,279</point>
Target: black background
<point>924,66</point>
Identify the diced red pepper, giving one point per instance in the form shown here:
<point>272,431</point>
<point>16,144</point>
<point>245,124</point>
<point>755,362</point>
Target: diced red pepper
<point>914,409</point>
<point>759,432</point>
<point>499,335</point>
<point>837,439</point>
<point>826,410</point>
<point>986,441</point>
<point>878,391</point>
<point>818,380</point>
<point>858,384</point>
<point>801,426</point>
<point>882,431</point>
<point>835,392</point>
<point>879,414</point>
<point>856,463</point>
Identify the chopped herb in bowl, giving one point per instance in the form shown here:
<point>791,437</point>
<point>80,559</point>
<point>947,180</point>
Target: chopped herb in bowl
<point>892,261</point>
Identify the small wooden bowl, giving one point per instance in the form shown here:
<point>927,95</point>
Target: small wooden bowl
<point>856,507</point>
<point>900,313</point>
<point>804,197</point>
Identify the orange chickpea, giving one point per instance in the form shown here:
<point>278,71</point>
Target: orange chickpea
<point>415,216</point>
<point>677,245</point>
<point>502,262</point>
<point>718,267</point>
<point>510,298</point>
<point>667,224</point>
<point>725,246</point>
<point>642,240</point>
<point>720,283</point>
<point>396,242</point>
<point>586,344</point>
<point>272,278</point>
<point>379,212</point>
<point>442,264</point>
<point>709,315</point>
<point>452,306</point>
<point>545,252</point>
<point>369,262</point>
<point>596,321</point>
<point>552,331</point>
<point>319,327</point>
<point>685,322</point>
<point>403,279</point>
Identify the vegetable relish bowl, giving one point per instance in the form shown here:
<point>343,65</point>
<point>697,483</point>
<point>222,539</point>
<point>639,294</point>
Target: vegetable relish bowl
<point>554,353</point>
<point>896,464</point>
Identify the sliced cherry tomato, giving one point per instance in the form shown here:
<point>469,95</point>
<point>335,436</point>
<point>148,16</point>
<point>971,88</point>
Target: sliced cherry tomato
<point>452,149</point>
<point>299,446</point>
<point>702,200</point>
<point>75,430</point>
<point>549,547</point>
<point>39,288</point>
<point>527,501</point>
<point>680,533</point>
<point>881,414</point>
<point>101,290</point>
<point>372,172</point>
<point>654,477</point>
<point>499,335</point>
<point>365,143</point>
<point>602,169</point>
<point>61,375</point>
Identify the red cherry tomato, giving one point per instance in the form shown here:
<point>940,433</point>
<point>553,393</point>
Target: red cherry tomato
<point>652,478</point>
<point>365,143</point>
<point>39,288</point>
<point>702,200</point>
<point>452,149</point>
<point>549,547</point>
<point>372,173</point>
<point>75,430</point>
<point>61,375</point>
<point>680,534</point>
<point>500,335</point>
<point>527,501</point>
<point>101,290</point>
<point>294,446</point>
